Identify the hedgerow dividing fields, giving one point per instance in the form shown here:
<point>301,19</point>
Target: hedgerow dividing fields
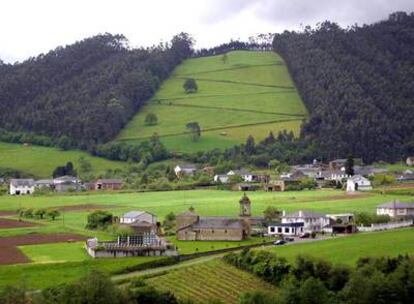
<point>251,93</point>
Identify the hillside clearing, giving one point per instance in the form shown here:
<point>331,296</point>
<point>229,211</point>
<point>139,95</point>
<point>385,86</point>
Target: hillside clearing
<point>249,94</point>
<point>41,161</point>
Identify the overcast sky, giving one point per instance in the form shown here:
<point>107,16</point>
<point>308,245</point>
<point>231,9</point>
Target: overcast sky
<point>31,27</point>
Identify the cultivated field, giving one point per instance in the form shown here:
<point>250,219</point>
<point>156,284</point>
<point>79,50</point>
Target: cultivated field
<point>70,259</point>
<point>41,161</point>
<point>250,93</point>
<point>213,280</point>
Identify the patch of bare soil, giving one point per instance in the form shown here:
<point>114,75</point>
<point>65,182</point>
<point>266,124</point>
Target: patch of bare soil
<point>10,223</point>
<point>10,254</point>
<point>8,213</point>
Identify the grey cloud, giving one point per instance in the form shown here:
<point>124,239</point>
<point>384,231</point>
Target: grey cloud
<point>288,14</point>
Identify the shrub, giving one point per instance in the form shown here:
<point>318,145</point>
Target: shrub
<point>99,220</point>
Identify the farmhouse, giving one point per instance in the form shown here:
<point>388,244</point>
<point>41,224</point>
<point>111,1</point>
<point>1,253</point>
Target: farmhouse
<point>182,170</point>
<point>22,186</point>
<point>396,209</point>
<point>66,183</point>
<point>221,178</point>
<point>44,184</point>
<point>192,227</point>
<point>312,221</point>
<point>244,174</point>
<point>358,182</point>
<point>290,229</point>
<point>138,216</point>
<point>410,161</point>
<point>108,184</point>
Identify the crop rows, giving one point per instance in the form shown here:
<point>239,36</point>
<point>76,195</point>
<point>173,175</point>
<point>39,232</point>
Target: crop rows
<point>207,281</point>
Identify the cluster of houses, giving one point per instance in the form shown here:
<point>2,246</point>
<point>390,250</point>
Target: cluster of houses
<point>19,186</point>
<point>144,237</point>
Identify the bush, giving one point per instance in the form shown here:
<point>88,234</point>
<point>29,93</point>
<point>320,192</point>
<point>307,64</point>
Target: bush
<point>53,214</point>
<point>99,220</point>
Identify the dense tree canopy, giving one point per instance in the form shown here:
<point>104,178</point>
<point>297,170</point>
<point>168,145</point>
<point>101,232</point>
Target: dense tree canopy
<point>83,94</point>
<point>358,85</point>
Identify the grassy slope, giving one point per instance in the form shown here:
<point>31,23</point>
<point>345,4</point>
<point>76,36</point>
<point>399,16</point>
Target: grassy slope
<point>347,250</point>
<point>41,161</point>
<point>208,281</point>
<point>250,88</point>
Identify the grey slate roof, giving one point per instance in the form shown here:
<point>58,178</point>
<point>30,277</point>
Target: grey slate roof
<point>21,182</point>
<point>133,214</point>
<point>305,214</point>
<point>397,205</point>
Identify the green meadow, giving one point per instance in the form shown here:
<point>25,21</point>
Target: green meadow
<point>347,250</point>
<point>41,161</point>
<point>57,263</point>
<point>249,94</point>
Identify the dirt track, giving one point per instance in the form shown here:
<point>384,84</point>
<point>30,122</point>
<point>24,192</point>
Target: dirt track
<point>10,223</point>
<point>10,254</point>
<point>8,213</point>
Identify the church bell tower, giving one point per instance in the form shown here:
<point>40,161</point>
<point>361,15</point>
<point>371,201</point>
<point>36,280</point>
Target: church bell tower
<point>245,206</point>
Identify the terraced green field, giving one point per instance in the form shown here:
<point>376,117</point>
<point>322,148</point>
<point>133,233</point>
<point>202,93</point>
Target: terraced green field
<point>213,280</point>
<point>41,161</point>
<point>249,94</point>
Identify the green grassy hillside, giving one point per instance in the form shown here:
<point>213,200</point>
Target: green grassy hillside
<point>249,94</point>
<point>41,161</point>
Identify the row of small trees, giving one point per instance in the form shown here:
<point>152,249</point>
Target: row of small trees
<point>40,213</point>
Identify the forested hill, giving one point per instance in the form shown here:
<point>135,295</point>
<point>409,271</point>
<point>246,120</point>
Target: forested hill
<point>83,94</point>
<point>358,85</point>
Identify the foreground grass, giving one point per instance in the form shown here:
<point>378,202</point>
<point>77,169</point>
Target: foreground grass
<point>56,253</point>
<point>347,250</point>
<point>213,280</point>
<point>39,276</point>
<point>41,161</point>
<point>251,93</point>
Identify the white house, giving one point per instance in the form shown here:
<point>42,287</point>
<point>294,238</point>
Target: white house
<point>245,175</point>
<point>22,186</point>
<point>290,229</point>
<point>311,221</point>
<point>221,178</point>
<point>410,161</point>
<point>358,182</point>
<point>138,216</point>
<point>181,170</point>
<point>396,209</point>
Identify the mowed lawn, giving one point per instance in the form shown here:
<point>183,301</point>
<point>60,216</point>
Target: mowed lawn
<point>347,250</point>
<point>213,280</point>
<point>249,94</point>
<point>41,161</point>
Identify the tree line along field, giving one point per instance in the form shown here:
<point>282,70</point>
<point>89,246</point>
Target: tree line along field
<point>75,208</point>
<point>41,161</point>
<point>249,93</point>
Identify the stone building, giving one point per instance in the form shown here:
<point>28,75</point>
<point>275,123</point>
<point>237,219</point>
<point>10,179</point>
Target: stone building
<point>192,227</point>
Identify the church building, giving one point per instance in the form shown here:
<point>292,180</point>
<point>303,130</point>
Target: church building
<point>192,227</point>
